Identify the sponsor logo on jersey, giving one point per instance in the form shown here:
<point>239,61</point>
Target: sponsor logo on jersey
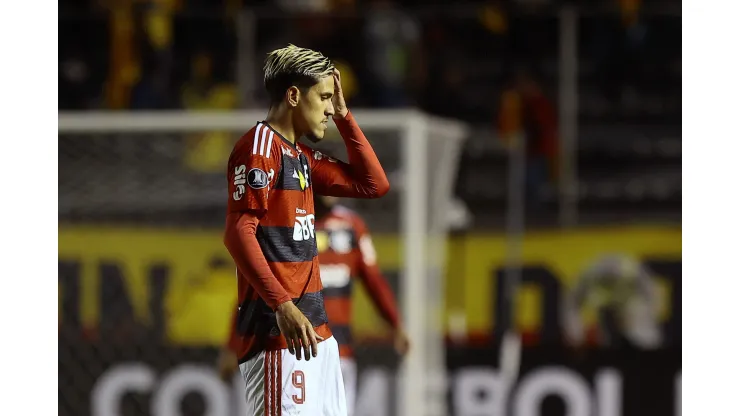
<point>303,229</point>
<point>334,275</point>
<point>318,156</point>
<point>287,151</point>
<point>239,181</point>
<point>368,250</point>
<point>302,179</point>
<point>341,241</point>
<point>257,178</point>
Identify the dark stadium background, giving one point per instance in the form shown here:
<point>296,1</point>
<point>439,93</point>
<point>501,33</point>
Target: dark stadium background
<point>460,58</point>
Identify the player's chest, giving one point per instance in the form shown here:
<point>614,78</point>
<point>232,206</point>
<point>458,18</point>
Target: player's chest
<point>295,172</point>
<point>291,197</point>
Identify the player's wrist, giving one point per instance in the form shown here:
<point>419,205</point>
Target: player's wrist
<point>341,114</point>
<point>283,305</point>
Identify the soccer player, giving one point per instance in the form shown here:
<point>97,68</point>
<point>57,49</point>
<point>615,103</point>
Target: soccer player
<point>346,251</point>
<point>287,353</point>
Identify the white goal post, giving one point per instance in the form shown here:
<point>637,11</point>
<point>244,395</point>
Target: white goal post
<point>428,153</point>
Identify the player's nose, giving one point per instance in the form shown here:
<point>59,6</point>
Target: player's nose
<point>329,109</point>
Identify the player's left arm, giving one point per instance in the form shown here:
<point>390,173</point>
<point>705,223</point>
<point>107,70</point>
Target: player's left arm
<point>363,176</point>
<point>377,286</point>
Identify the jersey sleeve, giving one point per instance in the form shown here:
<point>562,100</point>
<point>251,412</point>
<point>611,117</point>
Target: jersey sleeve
<point>372,279</point>
<point>240,239</point>
<point>362,177</point>
<point>252,171</point>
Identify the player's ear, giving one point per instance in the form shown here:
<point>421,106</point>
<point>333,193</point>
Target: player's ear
<point>293,96</point>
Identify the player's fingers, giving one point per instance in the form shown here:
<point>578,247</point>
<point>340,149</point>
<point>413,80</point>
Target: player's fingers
<point>297,346</point>
<point>313,336</point>
<point>289,341</point>
<point>317,336</point>
<point>306,342</point>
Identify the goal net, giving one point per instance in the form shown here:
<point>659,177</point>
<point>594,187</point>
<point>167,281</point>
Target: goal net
<point>146,286</point>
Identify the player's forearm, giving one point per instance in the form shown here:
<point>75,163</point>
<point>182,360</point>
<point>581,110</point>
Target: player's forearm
<point>365,168</point>
<point>241,241</point>
<point>381,295</point>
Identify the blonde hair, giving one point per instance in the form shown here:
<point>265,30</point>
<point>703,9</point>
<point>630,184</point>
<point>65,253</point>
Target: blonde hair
<point>294,66</point>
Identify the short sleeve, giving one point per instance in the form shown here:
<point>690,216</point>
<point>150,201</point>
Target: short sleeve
<point>253,169</point>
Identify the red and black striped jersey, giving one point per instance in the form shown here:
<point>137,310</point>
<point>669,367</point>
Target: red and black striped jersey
<point>346,254</point>
<point>270,230</point>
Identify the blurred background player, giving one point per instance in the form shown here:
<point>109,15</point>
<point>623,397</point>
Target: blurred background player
<point>623,294</point>
<point>346,252</point>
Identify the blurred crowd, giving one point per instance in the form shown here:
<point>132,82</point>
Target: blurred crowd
<point>495,64</point>
<point>457,59</point>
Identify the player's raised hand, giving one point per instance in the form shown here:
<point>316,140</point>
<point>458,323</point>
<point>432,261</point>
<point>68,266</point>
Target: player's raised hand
<point>298,332</point>
<point>340,106</point>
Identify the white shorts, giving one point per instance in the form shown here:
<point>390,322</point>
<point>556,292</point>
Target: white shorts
<point>305,388</point>
<point>349,375</point>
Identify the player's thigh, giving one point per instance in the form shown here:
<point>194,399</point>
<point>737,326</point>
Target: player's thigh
<point>302,391</point>
<point>335,399</point>
<point>253,372</point>
<point>278,384</point>
<point>349,375</point>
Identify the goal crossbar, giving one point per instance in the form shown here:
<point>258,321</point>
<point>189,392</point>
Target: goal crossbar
<point>168,121</point>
